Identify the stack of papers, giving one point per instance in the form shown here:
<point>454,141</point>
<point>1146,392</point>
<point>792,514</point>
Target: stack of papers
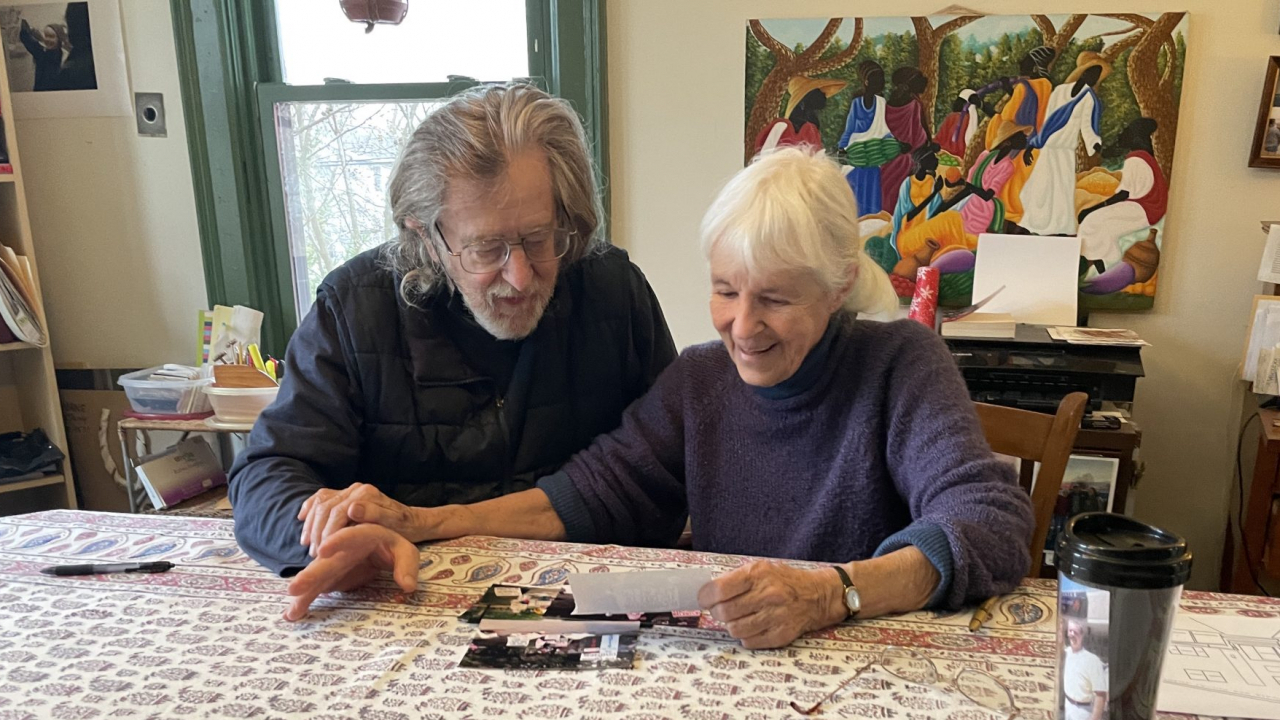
<point>19,310</point>
<point>1262,348</point>
<point>1221,662</point>
<point>1097,336</point>
<point>1269,270</point>
<point>981,325</point>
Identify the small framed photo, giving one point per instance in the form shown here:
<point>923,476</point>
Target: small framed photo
<point>1088,485</point>
<point>65,59</point>
<point>1265,152</point>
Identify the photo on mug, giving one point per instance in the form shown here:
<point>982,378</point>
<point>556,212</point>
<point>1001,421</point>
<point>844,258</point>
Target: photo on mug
<point>1083,635</point>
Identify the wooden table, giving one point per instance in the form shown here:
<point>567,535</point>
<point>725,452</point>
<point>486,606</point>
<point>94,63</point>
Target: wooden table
<point>1262,492</point>
<point>131,429</point>
<point>207,639</point>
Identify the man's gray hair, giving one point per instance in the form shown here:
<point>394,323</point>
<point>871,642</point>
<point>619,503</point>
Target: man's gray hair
<point>474,136</point>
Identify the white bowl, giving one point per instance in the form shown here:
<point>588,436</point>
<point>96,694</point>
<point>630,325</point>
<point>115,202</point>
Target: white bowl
<point>240,405</point>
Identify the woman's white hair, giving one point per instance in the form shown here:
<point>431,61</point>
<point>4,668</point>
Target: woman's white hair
<point>792,209</point>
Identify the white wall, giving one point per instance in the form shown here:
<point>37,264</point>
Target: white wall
<point>114,220</point>
<point>676,114</point>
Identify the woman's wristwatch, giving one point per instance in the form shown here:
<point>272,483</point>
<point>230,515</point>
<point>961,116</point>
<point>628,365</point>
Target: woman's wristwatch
<point>852,600</point>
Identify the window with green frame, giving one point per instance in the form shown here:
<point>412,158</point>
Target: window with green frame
<point>294,117</point>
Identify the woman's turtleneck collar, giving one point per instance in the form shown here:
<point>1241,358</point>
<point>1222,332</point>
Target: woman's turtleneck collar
<point>810,371</point>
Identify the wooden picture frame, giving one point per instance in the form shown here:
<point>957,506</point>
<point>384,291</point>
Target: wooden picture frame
<point>1265,152</point>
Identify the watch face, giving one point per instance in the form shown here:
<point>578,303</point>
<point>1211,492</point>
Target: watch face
<point>852,600</point>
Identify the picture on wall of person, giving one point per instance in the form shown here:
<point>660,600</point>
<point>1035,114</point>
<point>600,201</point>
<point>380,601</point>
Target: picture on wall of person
<point>64,59</point>
<point>1265,152</point>
<point>953,126</point>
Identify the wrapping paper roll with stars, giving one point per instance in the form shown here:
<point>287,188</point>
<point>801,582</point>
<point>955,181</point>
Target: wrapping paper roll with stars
<point>924,305</point>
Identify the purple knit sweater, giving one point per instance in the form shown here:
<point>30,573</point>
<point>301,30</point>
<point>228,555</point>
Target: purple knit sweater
<point>883,443</point>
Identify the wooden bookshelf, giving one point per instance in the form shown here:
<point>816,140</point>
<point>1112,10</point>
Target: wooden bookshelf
<point>28,387</point>
<point>53,479</point>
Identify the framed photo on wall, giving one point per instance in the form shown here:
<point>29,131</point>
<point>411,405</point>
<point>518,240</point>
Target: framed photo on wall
<point>1265,152</point>
<point>65,59</point>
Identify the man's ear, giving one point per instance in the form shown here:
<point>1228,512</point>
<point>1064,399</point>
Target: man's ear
<point>425,236</point>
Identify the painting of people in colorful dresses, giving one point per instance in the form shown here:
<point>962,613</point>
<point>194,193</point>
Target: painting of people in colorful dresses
<point>949,127</point>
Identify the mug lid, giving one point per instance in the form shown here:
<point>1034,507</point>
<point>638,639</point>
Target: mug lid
<point>1111,550</point>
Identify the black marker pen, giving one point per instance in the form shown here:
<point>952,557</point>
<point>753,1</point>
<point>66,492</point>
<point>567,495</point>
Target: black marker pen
<point>101,569</point>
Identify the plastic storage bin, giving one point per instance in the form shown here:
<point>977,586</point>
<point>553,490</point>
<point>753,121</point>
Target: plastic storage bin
<point>165,397</point>
<point>240,405</point>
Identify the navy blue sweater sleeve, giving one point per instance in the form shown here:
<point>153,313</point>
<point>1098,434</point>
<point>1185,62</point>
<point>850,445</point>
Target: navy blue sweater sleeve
<point>309,438</point>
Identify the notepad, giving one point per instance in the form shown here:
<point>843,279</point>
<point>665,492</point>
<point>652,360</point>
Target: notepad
<point>19,318</point>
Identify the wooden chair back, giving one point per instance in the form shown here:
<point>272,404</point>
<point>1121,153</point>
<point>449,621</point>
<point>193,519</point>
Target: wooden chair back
<point>1042,438</point>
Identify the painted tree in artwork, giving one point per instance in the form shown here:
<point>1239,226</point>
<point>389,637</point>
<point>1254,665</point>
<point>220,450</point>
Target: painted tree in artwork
<point>1057,39</point>
<point>789,63</point>
<point>929,41</point>
<point>1154,83</point>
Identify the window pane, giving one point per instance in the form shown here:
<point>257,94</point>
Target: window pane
<point>481,39</point>
<point>335,163</point>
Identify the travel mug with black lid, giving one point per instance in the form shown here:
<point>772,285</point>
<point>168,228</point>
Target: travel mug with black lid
<point>1119,581</point>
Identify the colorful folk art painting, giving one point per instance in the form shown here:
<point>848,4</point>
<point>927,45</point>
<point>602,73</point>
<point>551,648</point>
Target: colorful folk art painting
<point>950,127</point>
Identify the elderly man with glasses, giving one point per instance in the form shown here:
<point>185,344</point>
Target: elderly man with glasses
<point>495,337</point>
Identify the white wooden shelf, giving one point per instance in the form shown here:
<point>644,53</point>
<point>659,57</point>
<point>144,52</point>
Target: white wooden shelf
<point>28,384</point>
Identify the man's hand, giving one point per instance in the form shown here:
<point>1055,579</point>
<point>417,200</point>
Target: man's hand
<point>328,511</point>
<point>350,558</point>
<point>767,604</point>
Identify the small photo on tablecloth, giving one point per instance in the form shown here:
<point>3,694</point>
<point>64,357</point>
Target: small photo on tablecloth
<point>537,651</point>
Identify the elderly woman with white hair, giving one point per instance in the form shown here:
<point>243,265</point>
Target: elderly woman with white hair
<point>804,433</point>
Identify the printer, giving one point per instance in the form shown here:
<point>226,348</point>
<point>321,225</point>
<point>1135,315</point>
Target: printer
<point>1032,371</point>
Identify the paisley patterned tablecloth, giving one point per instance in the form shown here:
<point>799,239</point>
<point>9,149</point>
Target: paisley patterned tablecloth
<point>207,639</point>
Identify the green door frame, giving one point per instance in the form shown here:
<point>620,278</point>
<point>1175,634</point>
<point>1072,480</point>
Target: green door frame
<point>228,65</point>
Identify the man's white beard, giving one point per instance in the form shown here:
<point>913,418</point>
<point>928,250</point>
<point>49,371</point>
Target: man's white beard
<point>505,324</point>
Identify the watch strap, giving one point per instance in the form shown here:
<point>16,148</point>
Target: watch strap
<point>844,576</point>
<point>848,584</point>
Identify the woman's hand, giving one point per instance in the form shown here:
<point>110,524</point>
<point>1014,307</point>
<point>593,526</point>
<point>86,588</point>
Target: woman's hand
<point>767,604</point>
